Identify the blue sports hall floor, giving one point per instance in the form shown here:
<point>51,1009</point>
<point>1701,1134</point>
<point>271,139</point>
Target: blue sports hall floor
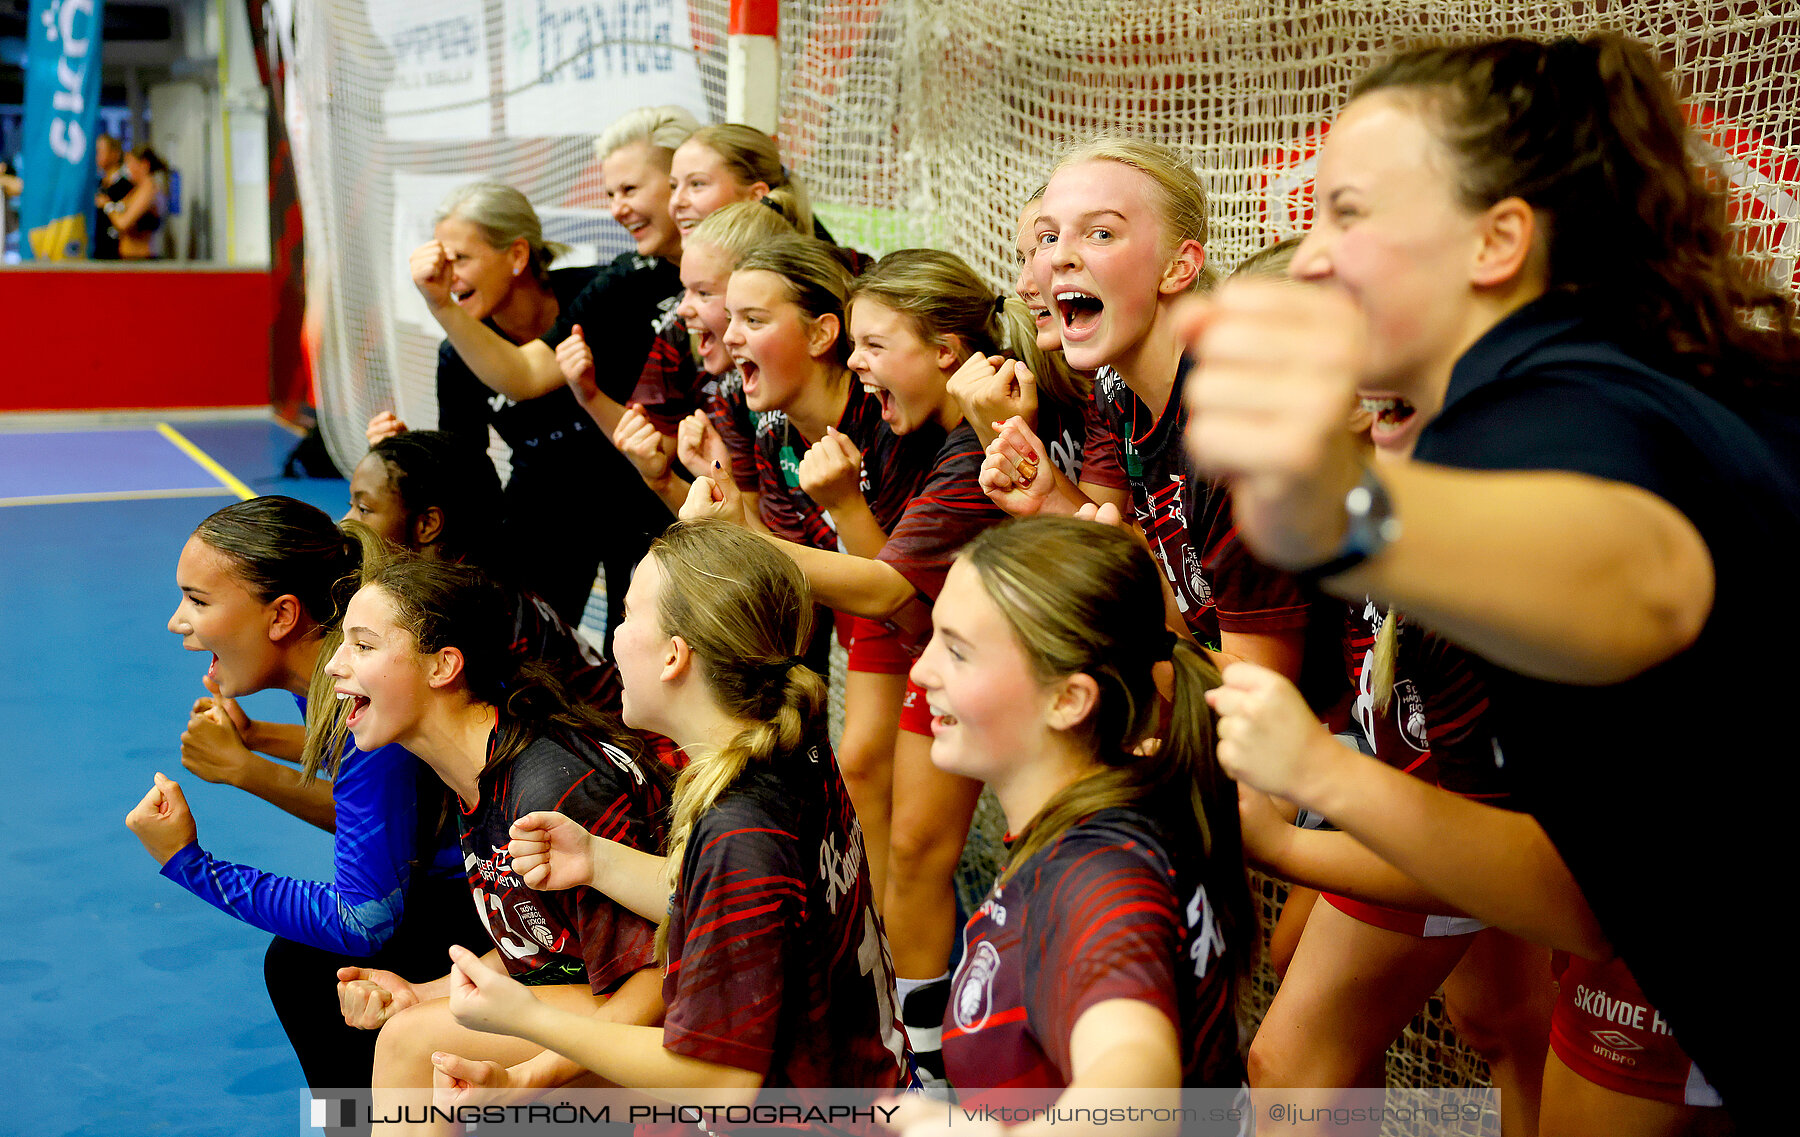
<point>130,1007</point>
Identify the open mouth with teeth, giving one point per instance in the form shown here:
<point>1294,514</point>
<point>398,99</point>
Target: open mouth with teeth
<point>1080,311</point>
<point>889,409</point>
<point>358,705</point>
<point>1389,412</point>
<point>1040,314</point>
<point>462,296</point>
<point>750,370</point>
<point>704,340</point>
<point>941,719</point>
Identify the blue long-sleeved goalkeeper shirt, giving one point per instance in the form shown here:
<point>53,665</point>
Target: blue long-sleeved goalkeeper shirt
<point>355,913</point>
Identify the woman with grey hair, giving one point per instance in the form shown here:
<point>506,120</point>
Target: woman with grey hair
<point>620,306</point>
<point>493,263</point>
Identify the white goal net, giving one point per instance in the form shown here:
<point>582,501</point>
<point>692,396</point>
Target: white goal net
<point>915,122</point>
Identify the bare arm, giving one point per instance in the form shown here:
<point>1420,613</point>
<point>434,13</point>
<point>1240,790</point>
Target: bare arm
<point>1326,860</point>
<point>550,851</point>
<point>575,365</point>
<point>857,529</point>
<point>831,474</point>
<point>625,1054</point>
<point>213,749</point>
<point>134,205</point>
<point>1557,575</point>
<point>518,371</point>
<point>855,585</point>
<point>1280,652</point>
<point>1497,866</point>
<point>281,786</point>
<point>859,586</point>
<point>638,1000</point>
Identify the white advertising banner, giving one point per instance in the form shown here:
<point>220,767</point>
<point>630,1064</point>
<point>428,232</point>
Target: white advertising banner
<point>575,65</point>
<point>440,85</point>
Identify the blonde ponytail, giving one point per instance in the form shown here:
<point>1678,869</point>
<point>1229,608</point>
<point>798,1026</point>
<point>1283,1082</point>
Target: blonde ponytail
<point>745,612</point>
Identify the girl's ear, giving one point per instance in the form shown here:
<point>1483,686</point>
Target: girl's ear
<point>822,336</point>
<point>951,353</point>
<point>428,526</point>
<point>760,190</point>
<point>518,256</point>
<point>1509,232</point>
<point>1183,269</point>
<point>678,659</point>
<point>446,665</point>
<point>284,613</point>
<point>1074,702</point>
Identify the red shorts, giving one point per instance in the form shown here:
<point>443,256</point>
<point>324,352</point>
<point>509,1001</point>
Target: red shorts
<point>1606,1031</point>
<point>1416,924</point>
<point>915,712</point>
<point>874,646</point>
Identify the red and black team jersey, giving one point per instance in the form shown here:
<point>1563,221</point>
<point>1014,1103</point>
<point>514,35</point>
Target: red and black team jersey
<point>894,468</point>
<point>668,388</point>
<point>945,514</point>
<point>562,937</point>
<point>777,960</point>
<point>1113,909</point>
<point>1218,584</point>
<point>722,398</point>
<point>1437,727</point>
<point>1080,444</point>
<point>540,634</point>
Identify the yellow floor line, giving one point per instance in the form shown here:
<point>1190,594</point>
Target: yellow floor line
<point>205,460</point>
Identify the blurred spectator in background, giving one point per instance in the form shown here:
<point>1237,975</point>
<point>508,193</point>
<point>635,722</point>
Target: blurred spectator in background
<point>115,184</point>
<point>140,214</point>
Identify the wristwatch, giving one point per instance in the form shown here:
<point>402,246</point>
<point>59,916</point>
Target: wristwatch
<point>1369,527</point>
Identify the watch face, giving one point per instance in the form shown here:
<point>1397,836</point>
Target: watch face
<point>1370,515</point>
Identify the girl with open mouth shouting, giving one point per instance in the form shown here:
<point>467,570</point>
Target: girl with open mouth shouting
<point>427,662</point>
<point>262,591</point>
<point>775,966</point>
<point>915,318</point>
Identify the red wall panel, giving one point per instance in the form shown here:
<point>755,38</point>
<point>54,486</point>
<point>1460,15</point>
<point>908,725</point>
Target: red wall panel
<point>95,338</point>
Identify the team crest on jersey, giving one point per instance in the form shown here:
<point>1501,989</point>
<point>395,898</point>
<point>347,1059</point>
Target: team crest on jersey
<point>975,987</point>
<point>1409,715</point>
<point>1197,586</point>
<point>543,935</point>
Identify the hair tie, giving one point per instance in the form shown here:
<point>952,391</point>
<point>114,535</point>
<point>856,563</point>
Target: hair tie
<point>1000,304</point>
<point>779,668</point>
<point>768,201</point>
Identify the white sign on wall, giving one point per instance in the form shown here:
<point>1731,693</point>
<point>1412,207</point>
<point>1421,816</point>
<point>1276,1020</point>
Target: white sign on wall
<point>440,85</point>
<point>575,65</point>
<point>416,201</point>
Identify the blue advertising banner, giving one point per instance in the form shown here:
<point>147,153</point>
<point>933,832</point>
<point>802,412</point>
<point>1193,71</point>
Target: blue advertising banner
<point>62,102</point>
